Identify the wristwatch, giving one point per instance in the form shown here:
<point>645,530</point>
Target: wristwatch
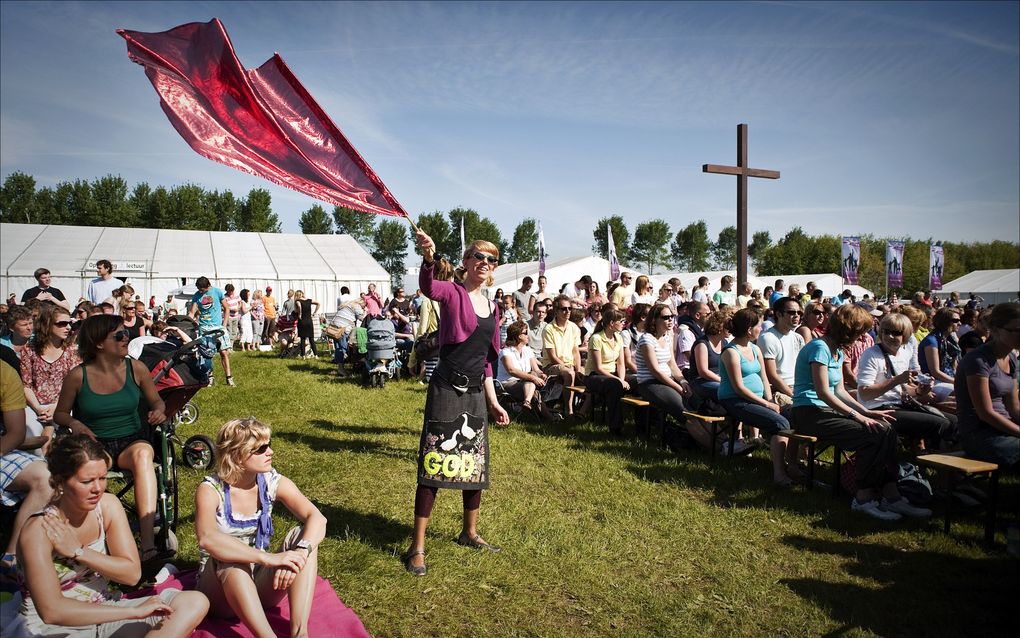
<point>78,552</point>
<point>305,545</point>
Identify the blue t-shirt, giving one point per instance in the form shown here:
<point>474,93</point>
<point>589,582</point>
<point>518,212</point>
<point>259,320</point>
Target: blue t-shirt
<point>776,296</point>
<point>750,372</point>
<point>803,386</point>
<point>210,306</point>
<point>931,341</point>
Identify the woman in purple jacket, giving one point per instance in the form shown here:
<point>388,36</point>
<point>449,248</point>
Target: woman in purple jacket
<point>454,448</point>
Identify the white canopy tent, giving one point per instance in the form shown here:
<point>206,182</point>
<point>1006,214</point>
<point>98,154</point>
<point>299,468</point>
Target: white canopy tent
<point>994,286</point>
<point>156,262</point>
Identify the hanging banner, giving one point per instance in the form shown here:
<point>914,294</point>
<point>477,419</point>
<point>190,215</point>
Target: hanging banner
<point>894,264</point>
<point>851,255</point>
<point>541,250</point>
<point>614,263</point>
<point>463,244</point>
<point>936,262</point>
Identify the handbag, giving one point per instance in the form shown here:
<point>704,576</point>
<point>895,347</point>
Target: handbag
<point>334,332</point>
<point>427,347</point>
<point>908,402</point>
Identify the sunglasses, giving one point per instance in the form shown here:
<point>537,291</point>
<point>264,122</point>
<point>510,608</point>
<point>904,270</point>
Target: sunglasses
<point>666,317</point>
<point>794,312</point>
<point>262,449</point>
<point>484,257</point>
<point>61,324</point>
<point>563,309</point>
<point>121,335</point>
<point>892,333</point>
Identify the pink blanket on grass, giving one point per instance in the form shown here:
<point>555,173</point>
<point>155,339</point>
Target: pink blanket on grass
<point>330,617</point>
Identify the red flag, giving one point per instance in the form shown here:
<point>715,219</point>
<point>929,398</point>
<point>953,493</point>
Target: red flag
<point>263,121</point>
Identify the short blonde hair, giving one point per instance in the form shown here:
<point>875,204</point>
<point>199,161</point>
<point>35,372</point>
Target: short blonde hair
<point>235,442</point>
<point>478,245</point>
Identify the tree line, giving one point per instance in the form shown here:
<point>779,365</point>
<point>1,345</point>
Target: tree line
<point>652,246</point>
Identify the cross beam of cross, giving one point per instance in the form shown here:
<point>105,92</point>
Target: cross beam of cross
<point>742,171</point>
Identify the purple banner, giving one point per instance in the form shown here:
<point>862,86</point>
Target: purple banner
<point>936,262</point>
<point>894,264</point>
<point>851,256</point>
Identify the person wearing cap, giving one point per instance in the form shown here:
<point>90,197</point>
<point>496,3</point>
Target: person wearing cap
<point>269,307</point>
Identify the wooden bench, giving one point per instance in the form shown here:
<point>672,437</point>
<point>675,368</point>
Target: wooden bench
<point>967,467</point>
<point>642,414</point>
<point>809,441</point>
<point>716,423</point>
<point>813,452</point>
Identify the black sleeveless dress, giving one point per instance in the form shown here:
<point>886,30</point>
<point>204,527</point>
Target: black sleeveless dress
<point>454,447</point>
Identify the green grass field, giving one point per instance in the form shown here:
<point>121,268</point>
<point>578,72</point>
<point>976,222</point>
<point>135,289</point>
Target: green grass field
<point>600,536</point>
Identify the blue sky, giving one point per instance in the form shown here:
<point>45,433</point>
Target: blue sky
<point>898,119</point>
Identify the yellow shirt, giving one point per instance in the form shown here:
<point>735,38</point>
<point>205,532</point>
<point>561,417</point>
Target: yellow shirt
<point>609,352</point>
<point>270,304</point>
<point>621,297</point>
<point>12,392</point>
<point>561,341</point>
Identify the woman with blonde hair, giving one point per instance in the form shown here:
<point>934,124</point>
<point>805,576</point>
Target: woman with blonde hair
<point>453,451</point>
<point>69,552</point>
<point>234,526</point>
<point>816,319</point>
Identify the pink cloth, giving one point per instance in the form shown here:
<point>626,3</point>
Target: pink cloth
<point>330,617</point>
<point>260,121</point>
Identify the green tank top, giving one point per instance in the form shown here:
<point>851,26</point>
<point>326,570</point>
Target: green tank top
<point>110,416</point>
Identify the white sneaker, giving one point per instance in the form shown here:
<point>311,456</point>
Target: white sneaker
<point>739,448</point>
<point>874,509</point>
<point>903,507</point>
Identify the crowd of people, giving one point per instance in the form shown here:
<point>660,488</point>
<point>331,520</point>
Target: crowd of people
<point>864,376</point>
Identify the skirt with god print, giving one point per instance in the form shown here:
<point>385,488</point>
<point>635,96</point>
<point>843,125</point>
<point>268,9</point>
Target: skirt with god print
<point>454,448</point>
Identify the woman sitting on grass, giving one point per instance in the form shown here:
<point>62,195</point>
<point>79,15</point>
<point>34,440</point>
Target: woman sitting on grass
<point>104,393</point>
<point>69,552</point>
<point>822,408</point>
<point>234,524</point>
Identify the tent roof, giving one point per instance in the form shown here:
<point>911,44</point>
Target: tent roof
<point>70,251</point>
<point>985,281</point>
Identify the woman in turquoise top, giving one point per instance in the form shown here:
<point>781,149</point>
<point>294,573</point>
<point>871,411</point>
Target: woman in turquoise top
<point>745,393</point>
<point>822,408</point>
<point>104,392</point>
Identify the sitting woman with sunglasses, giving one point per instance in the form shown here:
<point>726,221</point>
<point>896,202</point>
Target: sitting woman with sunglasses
<point>939,351</point>
<point>660,381</point>
<point>100,399</point>
<point>44,364</point>
<point>69,552</point>
<point>234,526</point>
<point>885,381</point>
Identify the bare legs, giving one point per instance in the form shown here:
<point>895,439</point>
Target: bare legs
<point>137,459</point>
<point>424,499</point>
<point>233,591</point>
<point>190,607</point>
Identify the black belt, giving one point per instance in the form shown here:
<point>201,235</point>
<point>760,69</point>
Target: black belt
<point>458,380</point>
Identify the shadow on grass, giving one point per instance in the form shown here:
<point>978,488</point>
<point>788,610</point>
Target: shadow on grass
<point>313,367</point>
<point>332,426</point>
<point>323,444</point>
<point>371,529</point>
<point>979,592</point>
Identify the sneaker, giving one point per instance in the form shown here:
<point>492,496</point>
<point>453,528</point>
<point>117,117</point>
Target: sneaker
<point>212,382</point>
<point>874,509</point>
<point>230,381</point>
<point>740,447</point>
<point>903,507</point>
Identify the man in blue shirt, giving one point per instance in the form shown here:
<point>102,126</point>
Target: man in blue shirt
<point>208,306</point>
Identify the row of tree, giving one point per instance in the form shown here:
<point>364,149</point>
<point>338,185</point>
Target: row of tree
<point>653,246</point>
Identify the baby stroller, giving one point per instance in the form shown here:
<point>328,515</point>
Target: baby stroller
<point>178,375</point>
<point>381,361</point>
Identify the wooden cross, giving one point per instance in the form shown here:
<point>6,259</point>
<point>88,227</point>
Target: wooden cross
<point>742,172</point>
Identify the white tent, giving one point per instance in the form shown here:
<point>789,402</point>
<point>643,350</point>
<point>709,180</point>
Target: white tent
<point>155,262</point>
<point>558,272</point>
<point>994,286</point>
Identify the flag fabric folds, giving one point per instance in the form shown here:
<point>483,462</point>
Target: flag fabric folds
<point>614,263</point>
<point>463,242</point>
<point>261,121</point>
<point>541,250</point>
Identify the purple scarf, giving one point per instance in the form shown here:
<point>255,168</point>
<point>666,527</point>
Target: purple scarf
<point>264,531</point>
